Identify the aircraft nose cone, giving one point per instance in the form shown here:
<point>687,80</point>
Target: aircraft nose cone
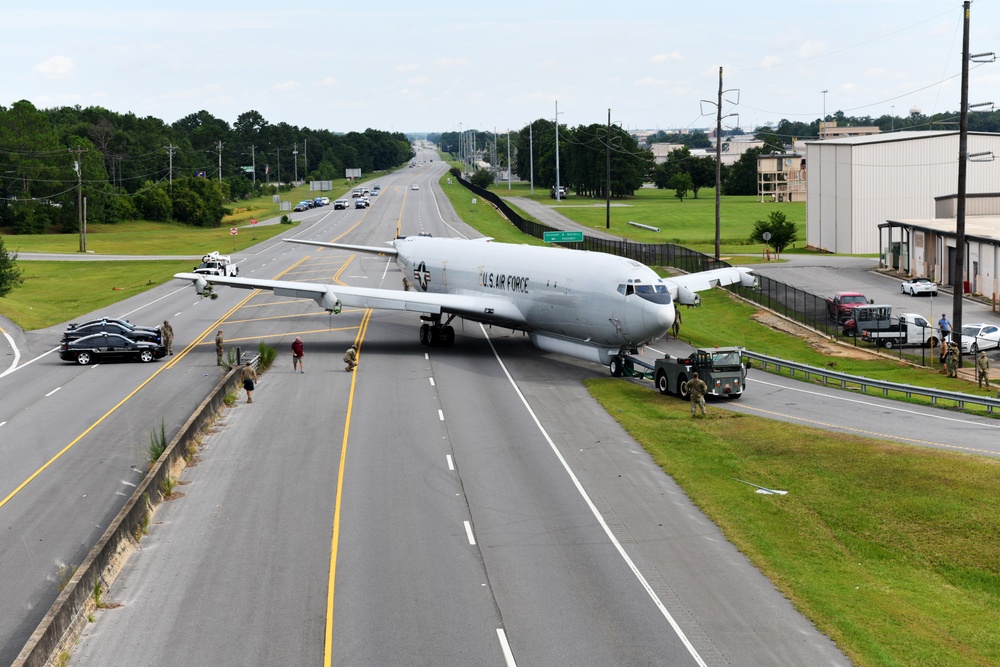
<point>665,317</point>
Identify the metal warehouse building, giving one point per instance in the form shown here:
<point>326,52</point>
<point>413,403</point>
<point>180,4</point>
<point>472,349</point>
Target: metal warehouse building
<point>855,184</point>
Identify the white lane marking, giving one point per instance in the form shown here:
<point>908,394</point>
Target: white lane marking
<point>427,356</point>
<point>986,423</point>
<point>17,354</point>
<point>179,289</point>
<point>52,392</point>
<point>597,514</point>
<point>508,656</point>
<point>451,464</point>
<point>432,381</point>
<point>2,423</point>
<point>468,533</point>
<point>440,415</point>
<point>178,313</point>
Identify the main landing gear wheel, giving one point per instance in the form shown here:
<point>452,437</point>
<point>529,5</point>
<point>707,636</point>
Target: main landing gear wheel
<point>437,335</point>
<point>616,367</point>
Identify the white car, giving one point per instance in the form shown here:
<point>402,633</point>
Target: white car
<point>981,336</point>
<point>414,187</point>
<point>915,286</point>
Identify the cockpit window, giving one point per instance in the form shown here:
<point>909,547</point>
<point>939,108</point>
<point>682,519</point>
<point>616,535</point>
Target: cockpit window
<point>657,293</point>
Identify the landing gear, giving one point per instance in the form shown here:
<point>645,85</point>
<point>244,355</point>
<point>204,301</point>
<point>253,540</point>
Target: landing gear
<point>436,334</point>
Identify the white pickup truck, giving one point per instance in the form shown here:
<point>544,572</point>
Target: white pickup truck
<point>910,329</point>
<point>214,264</point>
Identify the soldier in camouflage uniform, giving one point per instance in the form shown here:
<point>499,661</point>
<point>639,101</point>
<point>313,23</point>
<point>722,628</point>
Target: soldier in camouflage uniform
<point>983,370</point>
<point>951,360</point>
<point>218,348</point>
<point>696,390</point>
<point>168,336</point>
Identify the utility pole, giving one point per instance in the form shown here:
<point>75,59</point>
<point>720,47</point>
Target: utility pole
<point>279,166</point>
<point>78,165</point>
<point>607,191</point>
<point>958,268</point>
<point>305,158</point>
<point>557,151</point>
<point>295,162</point>
<point>718,170</point>
<point>531,154</point>
<point>508,158</point>
<point>220,161</point>
<point>253,161</point>
<point>170,172</point>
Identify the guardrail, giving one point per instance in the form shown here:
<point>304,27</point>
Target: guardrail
<point>846,380</point>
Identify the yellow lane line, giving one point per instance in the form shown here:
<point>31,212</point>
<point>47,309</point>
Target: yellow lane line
<point>335,538</point>
<point>106,415</point>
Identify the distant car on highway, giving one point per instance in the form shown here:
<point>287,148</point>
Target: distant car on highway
<point>361,202</point>
<point>321,201</point>
<point>341,203</point>
<point>414,187</point>
<point>915,286</point>
<point>302,206</point>
<point>980,336</point>
<point>108,346</point>
<point>77,331</point>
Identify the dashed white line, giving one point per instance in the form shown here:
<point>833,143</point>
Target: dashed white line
<point>2,423</point>
<point>52,392</point>
<point>432,381</point>
<point>440,415</point>
<point>451,464</point>
<point>508,656</point>
<point>468,533</point>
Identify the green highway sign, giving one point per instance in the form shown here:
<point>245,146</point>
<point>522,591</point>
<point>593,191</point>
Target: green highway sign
<point>562,237</point>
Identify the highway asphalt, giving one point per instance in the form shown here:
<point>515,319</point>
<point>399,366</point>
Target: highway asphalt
<point>437,506</point>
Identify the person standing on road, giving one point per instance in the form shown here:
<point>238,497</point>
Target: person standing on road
<point>676,327</point>
<point>351,358</point>
<point>945,326</point>
<point>297,353</point>
<point>983,370</point>
<point>696,390</point>
<point>249,378</point>
<point>218,348</point>
<point>168,336</point>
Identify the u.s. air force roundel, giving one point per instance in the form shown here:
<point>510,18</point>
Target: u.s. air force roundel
<point>422,275</point>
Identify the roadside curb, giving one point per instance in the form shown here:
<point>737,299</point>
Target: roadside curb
<point>63,624</point>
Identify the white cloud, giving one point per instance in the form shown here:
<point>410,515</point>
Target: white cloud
<point>812,49</point>
<point>286,86</point>
<point>56,67</point>
<point>328,82</point>
<point>452,62</point>
<point>770,61</point>
<point>418,81</point>
<point>406,68</point>
<point>661,58</point>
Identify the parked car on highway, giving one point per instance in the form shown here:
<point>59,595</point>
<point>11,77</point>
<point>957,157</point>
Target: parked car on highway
<point>302,206</point>
<point>980,336</point>
<point>77,331</point>
<point>108,346</point>
<point>915,286</point>
<point>321,201</point>
<point>340,204</point>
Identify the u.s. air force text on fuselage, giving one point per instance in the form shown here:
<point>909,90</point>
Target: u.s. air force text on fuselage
<point>502,281</point>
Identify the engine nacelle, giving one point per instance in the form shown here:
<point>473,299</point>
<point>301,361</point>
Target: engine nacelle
<point>200,285</point>
<point>331,303</point>
<point>748,279</point>
<point>688,297</point>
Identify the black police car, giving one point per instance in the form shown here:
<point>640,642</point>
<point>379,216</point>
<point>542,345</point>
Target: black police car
<point>109,346</point>
<point>109,325</point>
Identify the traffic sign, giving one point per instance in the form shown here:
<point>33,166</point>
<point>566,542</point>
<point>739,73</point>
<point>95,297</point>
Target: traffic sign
<point>253,221</point>
<point>562,237</point>
<point>233,231</point>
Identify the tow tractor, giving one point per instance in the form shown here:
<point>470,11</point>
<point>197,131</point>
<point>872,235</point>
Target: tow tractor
<point>721,368</point>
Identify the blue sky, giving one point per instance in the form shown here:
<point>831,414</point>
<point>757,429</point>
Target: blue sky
<point>441,65</point>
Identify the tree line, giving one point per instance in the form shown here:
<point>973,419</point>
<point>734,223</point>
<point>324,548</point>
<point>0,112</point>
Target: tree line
<point>129,167</point>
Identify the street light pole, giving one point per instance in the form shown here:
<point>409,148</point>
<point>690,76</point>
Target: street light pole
<point>295,161</point>
<point>822,122</point>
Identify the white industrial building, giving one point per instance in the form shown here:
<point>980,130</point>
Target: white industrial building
<point>856,184</point>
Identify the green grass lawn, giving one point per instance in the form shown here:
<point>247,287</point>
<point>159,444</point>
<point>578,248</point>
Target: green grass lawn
<point>55,292</point>
<point>889,549</point>
<point>690,223</point>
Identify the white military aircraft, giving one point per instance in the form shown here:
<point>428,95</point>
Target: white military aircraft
<point>589,305</point>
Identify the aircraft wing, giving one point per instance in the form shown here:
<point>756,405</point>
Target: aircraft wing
<point>496,310</point>
<point>687,286</point>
